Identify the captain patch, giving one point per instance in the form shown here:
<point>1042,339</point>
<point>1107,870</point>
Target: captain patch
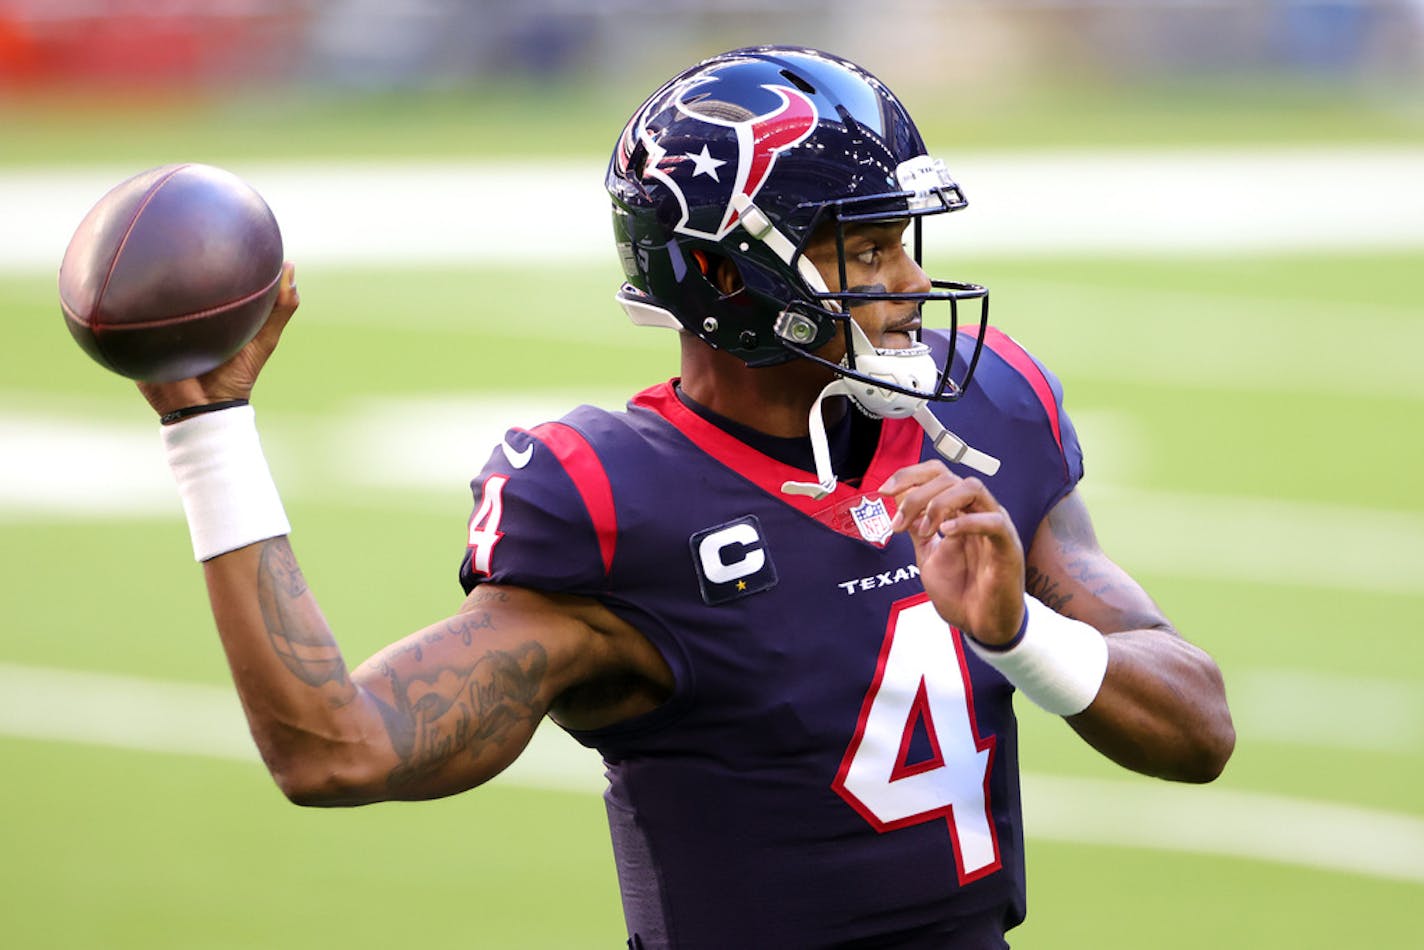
<point>732,560</point>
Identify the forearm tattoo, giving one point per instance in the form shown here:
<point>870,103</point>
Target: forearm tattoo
<point>306,649</point>
<point>1048,590</point>
<point>1086,584</point>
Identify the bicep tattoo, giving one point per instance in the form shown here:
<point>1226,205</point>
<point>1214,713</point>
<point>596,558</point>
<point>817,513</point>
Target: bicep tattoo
<point>441,710</point>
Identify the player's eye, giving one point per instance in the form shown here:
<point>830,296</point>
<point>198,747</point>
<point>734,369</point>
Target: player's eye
<point>869,255</point>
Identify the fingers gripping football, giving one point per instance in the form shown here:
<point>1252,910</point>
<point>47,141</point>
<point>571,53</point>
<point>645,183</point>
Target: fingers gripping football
<point>235,378</point>
<point>970,557</point>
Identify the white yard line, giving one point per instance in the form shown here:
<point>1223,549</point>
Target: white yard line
<point>54,705</point>
<point>1215,820</point>
<point>1310,708</point>
<point>422,452</point>
<point>1133,202</point>
<point>1261,540</point>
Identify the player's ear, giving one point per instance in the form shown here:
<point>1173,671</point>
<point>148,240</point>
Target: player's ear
<point>721,271</point>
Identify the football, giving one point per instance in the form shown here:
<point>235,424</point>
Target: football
<point>171,273</point>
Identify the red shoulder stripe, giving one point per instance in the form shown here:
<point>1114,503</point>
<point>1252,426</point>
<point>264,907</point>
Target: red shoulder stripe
<point>582,463</point>
<point>1023,364</point>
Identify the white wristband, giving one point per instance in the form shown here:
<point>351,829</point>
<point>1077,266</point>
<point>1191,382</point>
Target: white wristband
<point>227,490</point>
<point>1058,663</point>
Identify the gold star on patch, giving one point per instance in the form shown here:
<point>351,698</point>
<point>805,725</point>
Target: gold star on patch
<point>741,585</point>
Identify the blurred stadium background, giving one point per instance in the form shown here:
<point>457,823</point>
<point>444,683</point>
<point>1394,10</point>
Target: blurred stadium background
<point>1208,217</point>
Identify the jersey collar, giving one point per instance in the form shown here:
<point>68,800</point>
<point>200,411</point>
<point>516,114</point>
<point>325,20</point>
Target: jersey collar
<point>900,444</point>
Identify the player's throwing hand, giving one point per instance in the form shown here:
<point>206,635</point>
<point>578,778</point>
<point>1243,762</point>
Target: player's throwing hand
<point>233,380</point>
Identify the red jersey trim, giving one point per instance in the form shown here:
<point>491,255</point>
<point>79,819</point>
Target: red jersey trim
<point>901,441</point>
<point>1015,355</point>
<point>583,466</point>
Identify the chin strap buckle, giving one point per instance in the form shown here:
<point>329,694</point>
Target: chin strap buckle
<point>951,446</point>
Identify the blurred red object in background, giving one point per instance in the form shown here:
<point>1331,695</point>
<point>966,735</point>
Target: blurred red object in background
<point>71,44</point>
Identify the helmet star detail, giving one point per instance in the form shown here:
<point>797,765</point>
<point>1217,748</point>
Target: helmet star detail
<point>751,146</point>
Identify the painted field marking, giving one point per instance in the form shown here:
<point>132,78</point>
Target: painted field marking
<point>1139,813</point>
<point>1270,343</point>
<point>1261,540</point>
<point>423,452</point>
<point>1137,201</point>
<point>52,705</point>
<point>1329,710</point>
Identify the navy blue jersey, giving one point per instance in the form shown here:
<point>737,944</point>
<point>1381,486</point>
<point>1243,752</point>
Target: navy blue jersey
<point>834,768</point>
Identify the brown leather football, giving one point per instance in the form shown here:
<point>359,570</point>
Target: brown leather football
<point>171,273</point>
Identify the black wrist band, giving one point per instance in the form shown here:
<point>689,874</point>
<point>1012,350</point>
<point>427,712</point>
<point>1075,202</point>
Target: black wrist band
<point>1005,647</point>
<point>178,415</point>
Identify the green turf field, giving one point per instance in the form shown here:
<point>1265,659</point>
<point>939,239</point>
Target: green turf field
<point>1251,430</point>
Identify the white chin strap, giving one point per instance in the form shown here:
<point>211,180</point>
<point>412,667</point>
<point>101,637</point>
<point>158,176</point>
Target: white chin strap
<point>911,367</point>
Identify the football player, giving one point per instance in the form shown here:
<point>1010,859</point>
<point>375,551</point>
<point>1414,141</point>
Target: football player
<point>788,595</point>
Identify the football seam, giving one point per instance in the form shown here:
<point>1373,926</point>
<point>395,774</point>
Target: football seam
<point>93,322</point>
<point>192,315</point>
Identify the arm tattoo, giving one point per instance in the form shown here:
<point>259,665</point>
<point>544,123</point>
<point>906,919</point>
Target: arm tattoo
<point>1046,589</point>
<point>311,654</point>
<point>1074,539</point>
<point>484,594</point>
<point>446,709</point>
<point>461,628</point>
<point>1105,595</point>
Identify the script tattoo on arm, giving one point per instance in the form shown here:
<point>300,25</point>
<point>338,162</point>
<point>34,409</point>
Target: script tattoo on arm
<point>1082,582</point>
<point>306,648</point>
<point>441,710</point>
<point>1046,589</point>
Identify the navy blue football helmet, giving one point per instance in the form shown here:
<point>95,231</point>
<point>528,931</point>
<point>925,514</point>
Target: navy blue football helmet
<point>748,155</point>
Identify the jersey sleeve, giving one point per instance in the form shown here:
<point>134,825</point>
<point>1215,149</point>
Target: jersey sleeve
<point>542,515</point>
<point>1048,390</point>
<point>1031,432</point>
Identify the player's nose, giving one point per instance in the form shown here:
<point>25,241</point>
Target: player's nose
<point>911,277</point>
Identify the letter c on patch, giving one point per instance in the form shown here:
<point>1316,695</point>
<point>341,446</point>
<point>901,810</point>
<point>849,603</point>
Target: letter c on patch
<point>713,550</point>
<point>732,560</point>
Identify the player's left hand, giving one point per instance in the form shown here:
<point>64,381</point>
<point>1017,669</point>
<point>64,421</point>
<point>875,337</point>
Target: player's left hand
<point>970,557</point>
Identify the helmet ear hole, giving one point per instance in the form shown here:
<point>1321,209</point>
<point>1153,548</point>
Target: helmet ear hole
<point>637,161</point>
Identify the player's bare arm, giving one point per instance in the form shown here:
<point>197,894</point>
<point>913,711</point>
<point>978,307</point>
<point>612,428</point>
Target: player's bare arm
<point>442,710</point>
<point>1162,708</point>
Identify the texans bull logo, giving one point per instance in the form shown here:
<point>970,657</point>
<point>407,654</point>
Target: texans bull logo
<point>701,152</point>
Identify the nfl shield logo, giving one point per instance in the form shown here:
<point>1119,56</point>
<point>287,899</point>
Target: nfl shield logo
<point>872,519</point>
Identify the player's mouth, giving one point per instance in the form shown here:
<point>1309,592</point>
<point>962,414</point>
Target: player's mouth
<point>900,333</point>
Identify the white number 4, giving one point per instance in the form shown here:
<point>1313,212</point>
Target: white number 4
<point>484,524</point>
<point>922,684</point>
